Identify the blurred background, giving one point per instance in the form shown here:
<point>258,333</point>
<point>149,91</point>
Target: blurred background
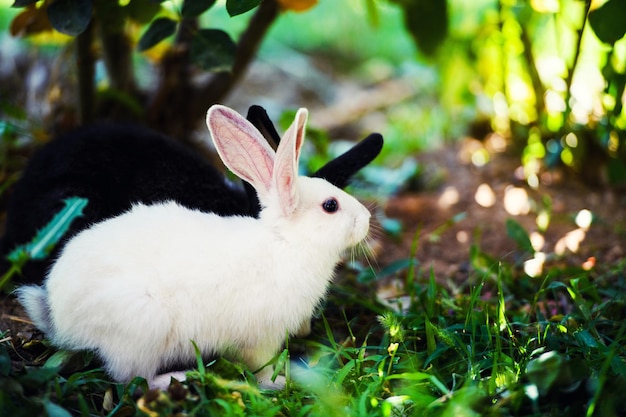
<point>546,76</point>
<point>483,103</point>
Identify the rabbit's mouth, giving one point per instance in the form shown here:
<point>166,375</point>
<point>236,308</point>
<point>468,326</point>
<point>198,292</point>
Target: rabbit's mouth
<point>360,229</point>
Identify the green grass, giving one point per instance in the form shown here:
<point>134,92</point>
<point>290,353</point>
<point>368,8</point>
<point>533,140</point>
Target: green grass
<point>506,345</point>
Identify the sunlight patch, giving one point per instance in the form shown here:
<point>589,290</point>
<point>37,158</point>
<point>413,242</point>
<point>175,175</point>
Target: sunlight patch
<point>534,267</point>
<point>589,263</point>
<point>485,196</point>
<point>543,220</point>
<point>554,102</point>
<point>571,241</point>
<point>496,142</point>
<point>480,157</point>
<point>571,140</point>
<point>516,201</point>
<point>545,6</point>
<point>449,197</point>
<point>537,241</point>
<point>462,236</point>
<point>584,219</point>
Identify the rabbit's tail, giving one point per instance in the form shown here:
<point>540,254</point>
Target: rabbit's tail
<point>34,298</point>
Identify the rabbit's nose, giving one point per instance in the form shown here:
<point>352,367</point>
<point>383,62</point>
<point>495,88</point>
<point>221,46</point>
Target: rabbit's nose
<point>365,215</point>
<point>361,226</point>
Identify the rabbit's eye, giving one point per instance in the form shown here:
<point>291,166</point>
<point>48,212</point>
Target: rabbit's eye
<point>330,206</point>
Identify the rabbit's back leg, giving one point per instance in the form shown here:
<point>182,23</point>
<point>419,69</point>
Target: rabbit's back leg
<point>136,342</point>
<point>123,363</point>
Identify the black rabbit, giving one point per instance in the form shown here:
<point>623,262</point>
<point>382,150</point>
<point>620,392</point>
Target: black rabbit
<point>114,165</point>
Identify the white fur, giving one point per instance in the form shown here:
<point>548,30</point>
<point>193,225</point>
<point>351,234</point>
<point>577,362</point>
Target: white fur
<point>138,288</point>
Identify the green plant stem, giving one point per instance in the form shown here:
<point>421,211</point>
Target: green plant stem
<point>410,275</point>
<point>503,59</point>
<point>531,65</point>
<point>6,277</point>
<point>572,69</point>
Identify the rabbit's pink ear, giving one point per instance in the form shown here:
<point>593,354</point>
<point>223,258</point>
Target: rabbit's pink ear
<point>286,164</point>
<point>241,147</point>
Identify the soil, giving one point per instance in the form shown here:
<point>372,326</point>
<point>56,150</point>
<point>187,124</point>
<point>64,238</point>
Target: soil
<point>444,244</point>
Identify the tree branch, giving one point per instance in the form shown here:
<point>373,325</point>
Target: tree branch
<point>117,55</point>
<point>222,83</point>
<point>85,65</point>
<point>177,105</point>
<point>535,79</point>
<point>116,46</point>
<point>572,68</point>
<point>169,106</point>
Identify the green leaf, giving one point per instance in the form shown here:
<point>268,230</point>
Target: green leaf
<point>427,22</point>
<point>5,362</point>
<point>237,7</point>
<point>616,170</point>
<point>283,358</point>
<point>159,29</point>
<point>59,359</point>
<point>199,361</point>
<point>78,379</point>
<point>609,21</point>
<point>213,50</point>
<point>70,16</point>
<point>341,375</point>
<point>390,180</point>
<point>194,8</point>
<point>481,261</point>
<point>435,236</point>
<point>69,360</point>
<point>412,376</point>
<point>516,232</point>
<point>55,410</point>
<point>46,238</point>
<point>395,267</point>
<point>544,370</point>
<point>23,3</point>
<point>585,338</point>
<point>392,227</point>
<point>142,11</point>
<point>226,369</point>
<point>37,377</point>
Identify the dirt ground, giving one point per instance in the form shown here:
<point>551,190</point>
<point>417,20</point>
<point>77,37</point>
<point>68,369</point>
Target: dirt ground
<point>444,243</point>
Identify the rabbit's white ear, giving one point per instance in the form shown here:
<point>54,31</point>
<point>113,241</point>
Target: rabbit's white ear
<point>286,164</point>
<point>241,147</point>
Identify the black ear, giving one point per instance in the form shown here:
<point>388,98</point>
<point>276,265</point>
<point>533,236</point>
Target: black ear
<point>339,171</point>
<point>259,118</point>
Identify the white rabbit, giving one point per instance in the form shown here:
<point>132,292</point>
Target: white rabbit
<point>139,287</point>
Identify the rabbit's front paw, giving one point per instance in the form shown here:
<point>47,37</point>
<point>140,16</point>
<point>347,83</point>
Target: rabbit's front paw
<point>162,381</point>
<point>264,379</point>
